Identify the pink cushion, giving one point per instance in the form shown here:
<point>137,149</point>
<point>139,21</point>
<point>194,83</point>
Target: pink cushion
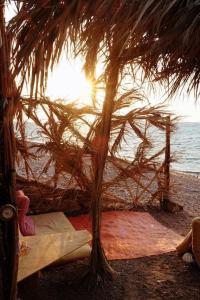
<point>22,202</point>
<point>26,223</point>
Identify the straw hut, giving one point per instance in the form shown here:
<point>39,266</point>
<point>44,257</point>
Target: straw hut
<point>161,37</point>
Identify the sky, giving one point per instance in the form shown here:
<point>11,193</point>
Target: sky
<point>68,81</point>
<point>187,108</point>
<point>181,104</point>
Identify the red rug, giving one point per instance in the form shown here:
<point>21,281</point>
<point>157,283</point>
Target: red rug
<point>127,234</point>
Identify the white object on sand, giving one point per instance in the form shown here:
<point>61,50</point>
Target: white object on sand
<point>188,258</point>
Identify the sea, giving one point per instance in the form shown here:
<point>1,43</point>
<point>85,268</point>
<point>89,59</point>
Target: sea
<point>185,146</point>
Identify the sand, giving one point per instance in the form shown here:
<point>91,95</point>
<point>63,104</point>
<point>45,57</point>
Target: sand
<point>186,191</point>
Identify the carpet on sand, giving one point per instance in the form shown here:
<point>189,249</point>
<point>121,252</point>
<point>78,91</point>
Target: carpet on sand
<point>127,234</point>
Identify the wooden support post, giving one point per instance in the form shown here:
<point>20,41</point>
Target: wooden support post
<point>8,215</point>
<point>165,197</point>
<point>167,204</point>
<point>167,158</point>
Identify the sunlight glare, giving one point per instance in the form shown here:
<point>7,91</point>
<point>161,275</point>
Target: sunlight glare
<point>68,82</point>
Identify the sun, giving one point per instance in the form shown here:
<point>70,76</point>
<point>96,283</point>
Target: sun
<point>68,82</point>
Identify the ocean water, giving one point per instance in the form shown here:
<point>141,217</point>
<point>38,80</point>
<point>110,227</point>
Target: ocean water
<point>185,145</point>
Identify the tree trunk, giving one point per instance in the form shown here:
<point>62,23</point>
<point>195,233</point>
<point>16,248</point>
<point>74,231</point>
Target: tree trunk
<point>8,216</point>
<point>99,267</point>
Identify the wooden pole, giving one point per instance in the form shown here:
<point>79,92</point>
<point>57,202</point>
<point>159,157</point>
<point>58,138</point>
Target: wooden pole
<point>167,164</point>
<point>167,156</point>
<point>8,216</point>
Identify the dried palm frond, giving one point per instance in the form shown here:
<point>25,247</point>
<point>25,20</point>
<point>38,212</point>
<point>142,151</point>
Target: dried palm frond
<point>163,37</point>
<point>65,155</point>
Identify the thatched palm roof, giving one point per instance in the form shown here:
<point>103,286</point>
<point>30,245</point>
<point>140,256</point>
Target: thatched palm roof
<point>162,36</point>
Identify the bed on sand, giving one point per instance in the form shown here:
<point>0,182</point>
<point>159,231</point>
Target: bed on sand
<point>55,241</point>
